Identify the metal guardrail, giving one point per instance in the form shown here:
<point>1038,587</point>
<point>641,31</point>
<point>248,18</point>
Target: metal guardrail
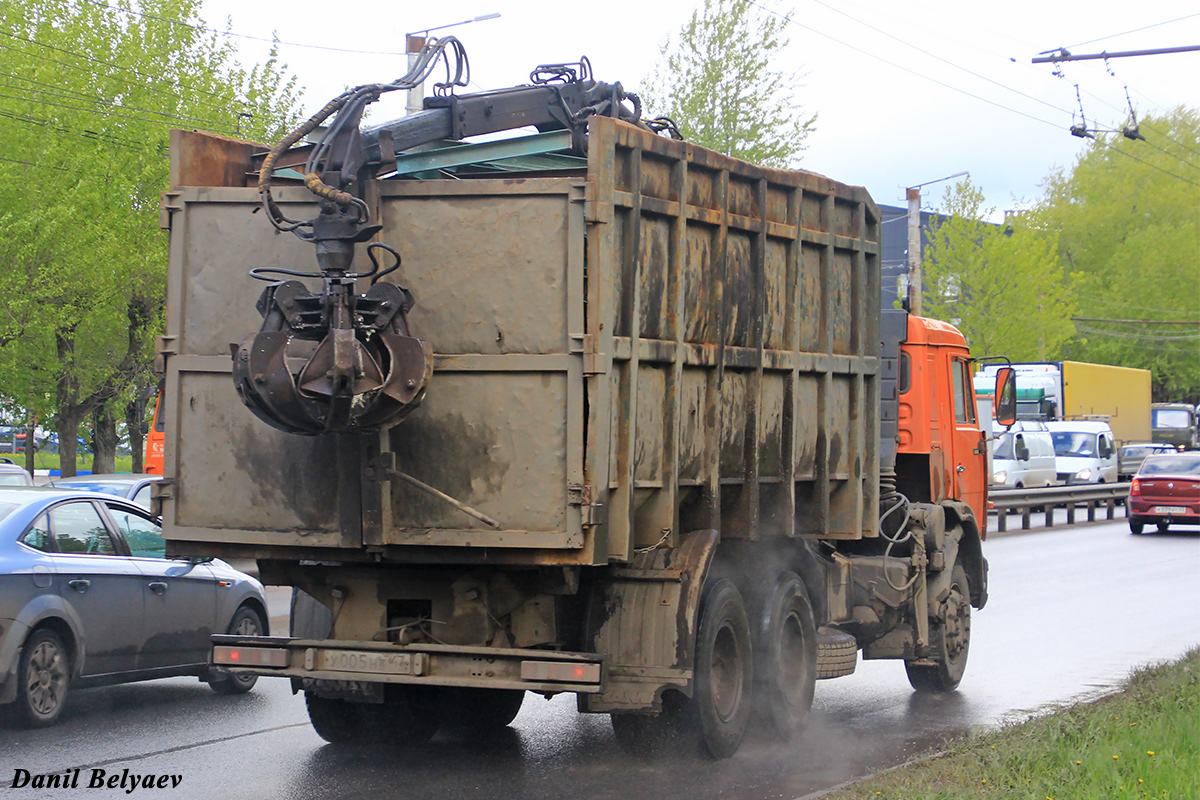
<point>1046,499</point>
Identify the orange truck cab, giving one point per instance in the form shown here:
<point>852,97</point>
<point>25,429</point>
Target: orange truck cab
<point>933,450</point>
<point>155,438</point>
<point>940,438</point>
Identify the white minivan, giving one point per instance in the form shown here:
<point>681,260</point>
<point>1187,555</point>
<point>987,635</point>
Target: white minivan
<point>1023,456</point>
<point>1085,450</point>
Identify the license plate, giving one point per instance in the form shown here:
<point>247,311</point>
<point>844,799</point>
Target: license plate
<point>1170,510</point>
<point>376,663</point>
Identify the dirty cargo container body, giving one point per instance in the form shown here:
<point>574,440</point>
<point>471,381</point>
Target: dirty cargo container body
<point>659,373</point>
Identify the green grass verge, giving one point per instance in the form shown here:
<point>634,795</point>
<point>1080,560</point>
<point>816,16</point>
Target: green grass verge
<point>50,461</point>
<point>1141,743</point>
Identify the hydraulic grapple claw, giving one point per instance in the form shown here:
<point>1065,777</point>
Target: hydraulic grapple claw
<point>364,373</point>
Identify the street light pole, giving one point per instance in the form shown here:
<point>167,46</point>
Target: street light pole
<point>914,250</point>
<point>914,241</point>
<point>413,42</point>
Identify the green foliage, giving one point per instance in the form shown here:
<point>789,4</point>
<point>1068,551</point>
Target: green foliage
<point>91,92</point>
<point>1000,284</point>
<point>718,83</point>
<point>1129,227</point>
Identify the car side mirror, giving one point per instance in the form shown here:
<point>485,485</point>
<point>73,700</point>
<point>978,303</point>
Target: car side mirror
<point>1022,450</point>
<point>1006,396</point>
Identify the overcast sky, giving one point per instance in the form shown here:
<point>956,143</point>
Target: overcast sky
<point>908,91</point>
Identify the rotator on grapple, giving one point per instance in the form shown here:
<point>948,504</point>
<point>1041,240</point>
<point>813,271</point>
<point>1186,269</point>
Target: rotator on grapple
<point>336,360</point>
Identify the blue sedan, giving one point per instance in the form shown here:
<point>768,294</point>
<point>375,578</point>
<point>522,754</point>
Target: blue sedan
<point>88,597</point>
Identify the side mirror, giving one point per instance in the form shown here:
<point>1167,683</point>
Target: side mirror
<point>1006,396</point>
<point>1022,449</point>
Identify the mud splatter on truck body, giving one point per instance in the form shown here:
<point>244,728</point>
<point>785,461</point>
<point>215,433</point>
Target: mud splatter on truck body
<point>656,372</point>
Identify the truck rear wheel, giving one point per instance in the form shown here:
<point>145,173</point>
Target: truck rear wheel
<point>407,716</point>
<point>335,721</point>
<point>787,656</point>
<point>479,711</point>
<point>653,735</point>
<point>714,719</point>
<point>724,683</point>
<point>952,628</point>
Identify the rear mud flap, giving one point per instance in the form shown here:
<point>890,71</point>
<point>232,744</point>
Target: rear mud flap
<point>642,622</point>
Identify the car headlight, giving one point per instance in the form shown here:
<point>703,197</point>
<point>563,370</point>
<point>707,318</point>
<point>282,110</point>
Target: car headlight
<point>1084,475</point>
<point>1000,477</point>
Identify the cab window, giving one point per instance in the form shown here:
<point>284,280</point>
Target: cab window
<point>964,409</point>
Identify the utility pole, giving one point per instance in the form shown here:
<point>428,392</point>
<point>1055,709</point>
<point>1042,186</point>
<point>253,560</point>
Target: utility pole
<point>416,94</point>
<point>914,250</point>
<point>413,42</point>
<point>914,242</point>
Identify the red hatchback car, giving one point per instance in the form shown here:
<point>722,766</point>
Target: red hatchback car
<point>1165,492</point>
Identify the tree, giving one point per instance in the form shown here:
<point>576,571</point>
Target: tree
<point>92,92</point>
<point>1002,285</point>
<point>1130,231</point>
<point>718,83</point>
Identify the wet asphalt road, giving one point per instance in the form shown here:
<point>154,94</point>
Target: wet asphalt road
<point>1071,611</point>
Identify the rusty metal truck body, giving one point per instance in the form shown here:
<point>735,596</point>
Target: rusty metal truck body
<point>659,373</point>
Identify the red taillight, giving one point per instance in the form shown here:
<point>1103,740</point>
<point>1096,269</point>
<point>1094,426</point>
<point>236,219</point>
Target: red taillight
<point>560,672</point>
<point>249,656</point>
<point>1135,488</point>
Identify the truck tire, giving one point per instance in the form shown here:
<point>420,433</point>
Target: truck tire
<point>953,627</point>
<point>713,721</point>
<point>654,735</point>
<point>43,676</point>
<point>407,716</point>
<point>335,721</point>
<point>786,659</point>
<point>724,682</point>
<point>245,622</point>
<point>309,619</point>
<point>473,712</point>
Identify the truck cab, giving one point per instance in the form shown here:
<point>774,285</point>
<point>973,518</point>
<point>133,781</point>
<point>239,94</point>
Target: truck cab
<point>941,450</point>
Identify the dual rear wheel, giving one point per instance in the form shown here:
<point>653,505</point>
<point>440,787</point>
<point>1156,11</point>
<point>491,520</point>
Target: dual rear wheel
<point>411,715</point>
<point>775,662</point>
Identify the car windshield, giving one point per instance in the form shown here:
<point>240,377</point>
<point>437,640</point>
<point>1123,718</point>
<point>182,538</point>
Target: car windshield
<point>1071,443</point>
<point>1004,447</point>
<point>1171,418</point>
<point>1171,465</point>
<point>1138,450</point>
<point>13,479</point>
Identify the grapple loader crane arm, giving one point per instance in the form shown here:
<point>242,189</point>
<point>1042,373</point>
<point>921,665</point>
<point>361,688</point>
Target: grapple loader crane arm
<point>337,360</point>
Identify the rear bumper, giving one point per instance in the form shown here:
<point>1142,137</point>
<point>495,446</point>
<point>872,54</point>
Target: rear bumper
<point>1150,511</point>
<point>331,663</point>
